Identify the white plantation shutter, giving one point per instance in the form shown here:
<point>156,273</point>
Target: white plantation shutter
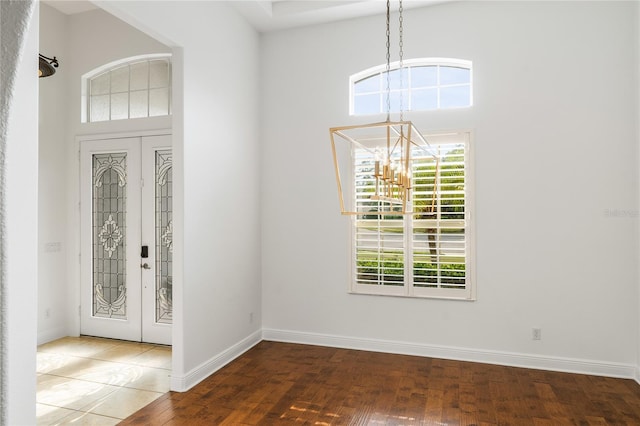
<point>379,240</point>
<point>439,245</point>
<point>426,253</point>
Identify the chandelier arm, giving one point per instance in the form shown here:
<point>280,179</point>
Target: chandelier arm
<point>354,141</point>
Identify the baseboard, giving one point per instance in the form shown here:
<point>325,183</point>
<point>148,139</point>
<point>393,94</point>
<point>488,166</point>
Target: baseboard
<point>538,362</point>
<point>637,375</point>
<point>204,370</point>
<point>47,336</point>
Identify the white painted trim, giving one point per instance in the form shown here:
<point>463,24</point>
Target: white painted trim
<point>539,362</point>
<point>207,368</point>
<point>122,135</point>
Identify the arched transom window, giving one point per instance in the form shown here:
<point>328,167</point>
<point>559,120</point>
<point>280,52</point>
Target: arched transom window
<point>132,88</point>
<point>421,84</point>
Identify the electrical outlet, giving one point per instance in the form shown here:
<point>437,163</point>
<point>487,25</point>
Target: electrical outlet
<point>251,318</point>
<point>47,313</point>
<point>536,333</point>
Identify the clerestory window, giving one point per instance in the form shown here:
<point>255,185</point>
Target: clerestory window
<point>132,88</point>
<point>427,253</point>
<point>421,84</point>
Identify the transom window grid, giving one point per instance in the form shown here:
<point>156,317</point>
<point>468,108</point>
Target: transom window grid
<point>419,86</point>
<point>425,253</point>
<point>135,89</point>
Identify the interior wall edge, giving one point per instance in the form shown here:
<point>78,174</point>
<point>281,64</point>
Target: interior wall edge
<point>182,383</point>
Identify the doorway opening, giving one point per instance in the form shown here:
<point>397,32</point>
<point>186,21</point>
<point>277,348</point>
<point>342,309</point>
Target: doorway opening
<point>126,232</point>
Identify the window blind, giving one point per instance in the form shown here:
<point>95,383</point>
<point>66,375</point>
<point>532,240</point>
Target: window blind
<point>425,253</point>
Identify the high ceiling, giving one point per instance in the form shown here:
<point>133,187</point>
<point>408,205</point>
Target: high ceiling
<point>69,7</point>
<point>270,15</point>
<point>279,14</point>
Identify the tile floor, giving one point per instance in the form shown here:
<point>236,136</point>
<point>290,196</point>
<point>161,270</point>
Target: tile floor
<point>94,381</point>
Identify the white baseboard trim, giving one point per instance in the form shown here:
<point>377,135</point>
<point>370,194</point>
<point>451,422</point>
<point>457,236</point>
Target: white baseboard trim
<point>204,370</point>
<point>539,362</point>
<point>47,336</point>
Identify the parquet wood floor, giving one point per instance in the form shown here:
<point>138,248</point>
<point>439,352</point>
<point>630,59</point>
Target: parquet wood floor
<point>282,383</point>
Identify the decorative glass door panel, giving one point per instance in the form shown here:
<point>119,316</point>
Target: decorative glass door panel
<point>157,234</point>
<point>164,236</point>
<point>109,231</point>
<point>126,194</point>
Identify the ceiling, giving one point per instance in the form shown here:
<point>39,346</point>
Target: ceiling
<point>271,15</point>
<point>69,7</point>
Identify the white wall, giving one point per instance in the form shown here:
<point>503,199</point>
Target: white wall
<point>216,150</point>
<point>52,182</point>
<point>637,71</point>
<point>21,222</point>
<point>556,159</point>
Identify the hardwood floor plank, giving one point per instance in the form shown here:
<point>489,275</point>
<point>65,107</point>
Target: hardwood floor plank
<point>282,383</point>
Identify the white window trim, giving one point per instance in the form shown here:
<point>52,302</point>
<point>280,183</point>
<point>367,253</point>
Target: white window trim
<point>407,289</point>
<point>86,78</point>
<point>407,63</point>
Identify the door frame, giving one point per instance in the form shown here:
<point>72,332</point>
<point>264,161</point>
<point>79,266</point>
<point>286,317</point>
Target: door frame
<point>76,296</point>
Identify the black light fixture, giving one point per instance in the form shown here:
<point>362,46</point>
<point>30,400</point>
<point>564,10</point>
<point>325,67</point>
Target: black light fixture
<point>47,66</point>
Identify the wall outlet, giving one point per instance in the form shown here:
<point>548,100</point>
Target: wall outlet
<point>536,333</point>
<point>47,313</point>
<point>250,317</point>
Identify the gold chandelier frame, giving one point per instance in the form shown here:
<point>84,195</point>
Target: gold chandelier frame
<point>390,143</point>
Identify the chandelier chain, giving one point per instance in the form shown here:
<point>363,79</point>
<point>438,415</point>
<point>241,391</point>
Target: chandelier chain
<point>388,60</point>
<point>400,65</point>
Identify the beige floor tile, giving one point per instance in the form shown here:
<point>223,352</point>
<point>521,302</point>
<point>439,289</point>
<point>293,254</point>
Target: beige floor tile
<point>49,361</point>
<point>111,373</point>
<point>89,419</point>
<point>122,403</point>
<point>69,393</point>
<point>122,353</point>
<point>50,415</point>
<point>77,346</point>
<point>157,357</point>
<point>152,379</point>
<point>82,366</point>
<point>110,378</point>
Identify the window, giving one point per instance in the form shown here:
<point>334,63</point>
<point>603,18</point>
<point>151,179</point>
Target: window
<point>426,253</point>
<point>135,88</point>
<point>422,84</point>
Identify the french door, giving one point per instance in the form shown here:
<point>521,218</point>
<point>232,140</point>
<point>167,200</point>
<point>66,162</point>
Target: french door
<point>126,238</point>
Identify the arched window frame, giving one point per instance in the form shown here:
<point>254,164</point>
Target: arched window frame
<point>96,72</point>
<point>407,64</point>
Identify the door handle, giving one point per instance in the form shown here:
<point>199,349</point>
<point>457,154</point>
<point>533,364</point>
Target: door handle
<point>145,266</point>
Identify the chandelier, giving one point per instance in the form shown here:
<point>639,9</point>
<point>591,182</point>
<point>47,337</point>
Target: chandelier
<point>388,147</point>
